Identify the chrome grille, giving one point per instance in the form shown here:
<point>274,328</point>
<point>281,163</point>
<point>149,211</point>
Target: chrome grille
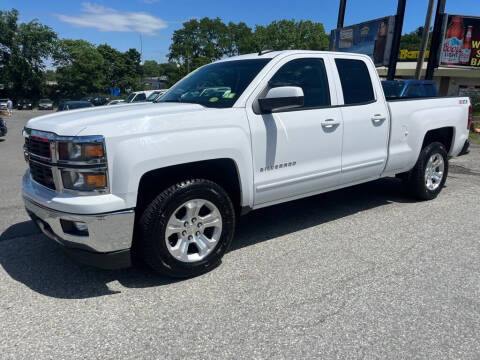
<point>42,174</point>
<point>37,146</point>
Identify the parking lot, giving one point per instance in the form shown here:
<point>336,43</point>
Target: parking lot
<point>364,272</point>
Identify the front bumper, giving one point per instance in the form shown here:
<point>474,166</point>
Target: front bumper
<point>107,243</point>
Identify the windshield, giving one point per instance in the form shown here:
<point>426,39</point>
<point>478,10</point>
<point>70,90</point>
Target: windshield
<point>393,89</point>
<point>130,97</point>
<point>152,96</point>
<point>44,101</point>
<point>216,85</point>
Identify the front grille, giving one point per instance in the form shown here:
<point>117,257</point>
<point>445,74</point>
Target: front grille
<point>42,174</point>
<point>38,146</point>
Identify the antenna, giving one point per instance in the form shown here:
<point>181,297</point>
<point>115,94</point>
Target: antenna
<point>265,50</point>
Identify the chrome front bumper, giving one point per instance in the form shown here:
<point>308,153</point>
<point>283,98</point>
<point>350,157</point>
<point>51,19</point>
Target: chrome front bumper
<point>108,233</point>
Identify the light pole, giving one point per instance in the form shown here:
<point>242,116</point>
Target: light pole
<point>436,39</point>
<point>426,32</point>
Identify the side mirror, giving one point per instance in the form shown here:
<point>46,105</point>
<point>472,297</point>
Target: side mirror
<point>282,98</point>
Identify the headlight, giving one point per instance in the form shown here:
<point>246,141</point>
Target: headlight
<point>81,152</point>
<point>84,181</point>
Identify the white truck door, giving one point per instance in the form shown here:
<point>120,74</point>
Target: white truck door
<point>296,151</point>
<point>366,120</point>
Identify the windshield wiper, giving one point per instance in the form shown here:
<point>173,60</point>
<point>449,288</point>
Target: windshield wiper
<point>179,101</point>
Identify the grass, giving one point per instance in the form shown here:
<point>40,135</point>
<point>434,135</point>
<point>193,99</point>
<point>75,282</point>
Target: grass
<point>475,138</point>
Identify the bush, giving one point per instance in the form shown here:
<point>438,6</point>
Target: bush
<point>476,104</point>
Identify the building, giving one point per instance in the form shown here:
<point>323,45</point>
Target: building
<point>451,81</point>
<point>155,83</point>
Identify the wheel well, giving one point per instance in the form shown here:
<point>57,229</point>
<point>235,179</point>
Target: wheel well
<point>442,135</point>
<point>221,171</point>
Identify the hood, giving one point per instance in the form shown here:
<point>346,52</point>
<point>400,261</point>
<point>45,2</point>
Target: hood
<point>71,123</point>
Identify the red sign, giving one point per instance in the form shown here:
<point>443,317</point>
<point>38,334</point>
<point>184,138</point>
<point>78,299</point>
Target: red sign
<point>461,42</point>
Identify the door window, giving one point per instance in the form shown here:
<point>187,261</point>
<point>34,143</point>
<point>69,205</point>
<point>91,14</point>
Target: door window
<point>140,97</point>
<point>429,90</point>
<point>310,75</point>
<point>356,82</point>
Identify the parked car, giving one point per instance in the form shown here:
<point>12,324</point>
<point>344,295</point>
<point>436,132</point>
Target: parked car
<point>116,102</point>
<point>3,127</point>
<point>156,94</point>
<point>3,104</point>
<point>25,105</point>
<point>138,96</point>
<point>97,100</point>
<point>170,178</point>
<point>45,104</point>
<point>409,88</point>
<point>74,105</point>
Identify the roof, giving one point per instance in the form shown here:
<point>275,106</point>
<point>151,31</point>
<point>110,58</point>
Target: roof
<point>272,54</point>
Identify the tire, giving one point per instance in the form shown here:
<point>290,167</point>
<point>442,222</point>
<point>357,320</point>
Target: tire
<point>171,208</point>
<point>417,181</point>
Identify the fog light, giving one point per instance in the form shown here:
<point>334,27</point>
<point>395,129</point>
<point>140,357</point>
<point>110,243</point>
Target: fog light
<point>80,226</point>
<point>76,228</point>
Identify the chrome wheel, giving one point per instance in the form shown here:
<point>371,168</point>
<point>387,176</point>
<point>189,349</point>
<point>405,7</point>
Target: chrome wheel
<point>193,230</point>
<point>434,172</point>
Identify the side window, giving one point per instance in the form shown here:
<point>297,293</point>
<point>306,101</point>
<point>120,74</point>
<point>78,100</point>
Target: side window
<point>429,90</point>
<point>414,91</point>
<point>140,97</point>
<point>310,75</point>
<point>356,82</point>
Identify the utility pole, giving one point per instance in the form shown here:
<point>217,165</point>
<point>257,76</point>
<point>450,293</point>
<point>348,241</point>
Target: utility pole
<point>397,35</point>
<point>436,39</point>
<point>341,13</point>
<point>426,33</point>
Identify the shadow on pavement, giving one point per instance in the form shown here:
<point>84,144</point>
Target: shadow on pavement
<point>39,263</point>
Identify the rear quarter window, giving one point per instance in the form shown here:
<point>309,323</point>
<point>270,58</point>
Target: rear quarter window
<point>356,82</point>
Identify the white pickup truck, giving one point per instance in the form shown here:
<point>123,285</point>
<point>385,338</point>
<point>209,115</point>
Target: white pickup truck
<point>166,181</point>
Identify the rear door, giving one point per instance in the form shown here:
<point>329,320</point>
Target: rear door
<point>365,120</point>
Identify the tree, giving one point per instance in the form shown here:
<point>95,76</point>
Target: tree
<point>413,40</point>
<point>121,70</point>
<point>80,68</point>
<point>24,49</point>
<point>202,41</point>
<point>151,68</point>
<point>290,34</point>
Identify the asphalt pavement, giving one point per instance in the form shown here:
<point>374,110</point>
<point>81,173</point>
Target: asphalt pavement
<point>364,272</point>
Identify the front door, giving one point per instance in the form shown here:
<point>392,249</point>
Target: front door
<point>297,151</point>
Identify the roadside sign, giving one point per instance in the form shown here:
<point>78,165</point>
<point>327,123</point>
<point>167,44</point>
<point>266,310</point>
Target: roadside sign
<point>372,38</point>
<point>461,41</point>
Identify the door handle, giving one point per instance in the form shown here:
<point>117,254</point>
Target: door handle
<point>378,118</point>
<point>330,123</point>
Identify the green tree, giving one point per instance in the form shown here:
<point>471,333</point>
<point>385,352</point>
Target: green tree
<point>121,70</point>
<point>291,34</point>
<point>150,68</point>
<point>413,40</point>
<point>24,49</point>
<point>202,41</point>
<point>80,68</point>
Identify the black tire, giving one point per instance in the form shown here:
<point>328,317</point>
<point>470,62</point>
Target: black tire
<point>416,180</point>
<point>153,222</point>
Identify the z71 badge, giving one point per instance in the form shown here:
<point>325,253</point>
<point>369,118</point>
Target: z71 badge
<point>278,166</point>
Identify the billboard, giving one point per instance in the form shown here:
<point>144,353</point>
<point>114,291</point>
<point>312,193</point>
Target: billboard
<point>372,38</point>
<point>461,41</point>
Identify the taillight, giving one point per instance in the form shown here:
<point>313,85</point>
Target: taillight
<point>470,117</point>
